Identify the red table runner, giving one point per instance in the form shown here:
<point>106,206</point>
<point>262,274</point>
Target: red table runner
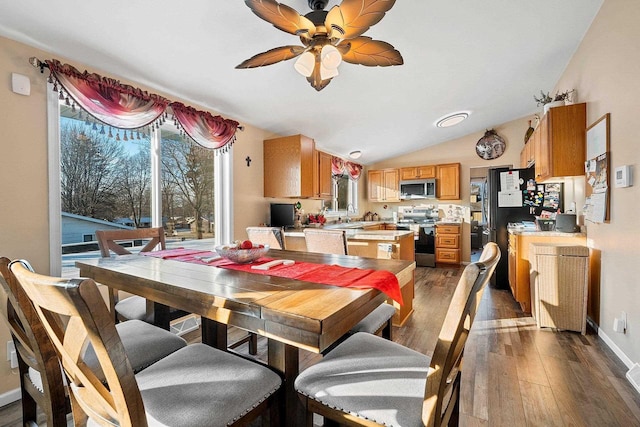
<point>334,275</point>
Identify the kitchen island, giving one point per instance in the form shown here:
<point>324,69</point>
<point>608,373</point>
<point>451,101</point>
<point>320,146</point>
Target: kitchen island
<point>381,244</point>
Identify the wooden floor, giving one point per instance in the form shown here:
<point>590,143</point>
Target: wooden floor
<point>514,374</point>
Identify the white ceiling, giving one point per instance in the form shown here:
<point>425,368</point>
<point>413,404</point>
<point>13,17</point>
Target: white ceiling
<point>487,57</point>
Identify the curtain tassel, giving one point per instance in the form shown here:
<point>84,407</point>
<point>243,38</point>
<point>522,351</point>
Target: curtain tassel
<point>110,134</point>
<point>102,130</point>
<point>94,127</point>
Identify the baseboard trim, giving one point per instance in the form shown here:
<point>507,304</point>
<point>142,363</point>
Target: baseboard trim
<point>10,397</point>
<point>623,357</point>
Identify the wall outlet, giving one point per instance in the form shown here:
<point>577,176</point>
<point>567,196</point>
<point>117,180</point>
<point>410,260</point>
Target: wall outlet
<point>620,323</point>
<point>10,348</point>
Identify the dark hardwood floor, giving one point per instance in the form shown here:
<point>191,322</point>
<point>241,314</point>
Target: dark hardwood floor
<point>514,373</point>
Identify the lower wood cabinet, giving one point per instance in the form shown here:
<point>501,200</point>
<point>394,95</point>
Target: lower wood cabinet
<point>519,265</point>
<point>448,244</point>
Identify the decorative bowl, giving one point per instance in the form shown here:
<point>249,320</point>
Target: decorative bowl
<point>241,256</point>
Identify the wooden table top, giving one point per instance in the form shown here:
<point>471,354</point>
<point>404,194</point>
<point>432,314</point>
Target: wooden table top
<point>304,314</point>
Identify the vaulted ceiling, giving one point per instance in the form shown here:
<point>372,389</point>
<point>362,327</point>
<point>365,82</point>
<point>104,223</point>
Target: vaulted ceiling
<point>486,57</point>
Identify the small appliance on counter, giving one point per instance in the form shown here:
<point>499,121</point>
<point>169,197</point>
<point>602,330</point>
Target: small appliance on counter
<point>566,223</point>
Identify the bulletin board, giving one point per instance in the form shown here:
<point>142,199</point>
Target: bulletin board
<point>597,166</point>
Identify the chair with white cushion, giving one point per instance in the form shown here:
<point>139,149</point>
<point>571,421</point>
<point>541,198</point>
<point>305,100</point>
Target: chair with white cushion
<point>195,386</point>
<point>134,307</point>
<point>371,381</point>
<point>272,236</point>
<point>41,379</point>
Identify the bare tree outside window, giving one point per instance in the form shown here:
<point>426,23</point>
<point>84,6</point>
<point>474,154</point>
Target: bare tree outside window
<point>89,171</point>
<point>189,169</point>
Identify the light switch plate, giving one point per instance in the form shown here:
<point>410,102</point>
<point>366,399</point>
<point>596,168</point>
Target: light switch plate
<point>20,84</point>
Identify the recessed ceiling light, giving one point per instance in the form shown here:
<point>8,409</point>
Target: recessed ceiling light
<point>355,154</point>
<point>452,119</point>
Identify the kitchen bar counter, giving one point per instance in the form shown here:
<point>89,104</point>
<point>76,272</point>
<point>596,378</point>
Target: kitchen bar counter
<point>381,244</point>
<point>361,234</point>
<point>528,232</point>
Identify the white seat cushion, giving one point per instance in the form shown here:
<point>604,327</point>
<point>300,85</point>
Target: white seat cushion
<point>375,319</point>
<point>144,344</point>
<point>202,386</point>
<point>372,378</point>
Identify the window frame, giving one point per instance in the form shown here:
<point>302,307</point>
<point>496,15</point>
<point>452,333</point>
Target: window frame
<point>223,189</point>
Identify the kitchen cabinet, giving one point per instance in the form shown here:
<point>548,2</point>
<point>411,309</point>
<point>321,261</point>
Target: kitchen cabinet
<point>383,185</point>
<point>418,172</point>
<point>560,146</point>
<point>448,181</point>
<point>323,184</point>
<point>527,155</point>
<point>447,244</point>
<point>294,168</point>
<point>518,262</point>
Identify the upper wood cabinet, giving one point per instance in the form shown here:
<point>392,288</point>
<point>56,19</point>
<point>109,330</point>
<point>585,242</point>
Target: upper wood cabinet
<point>527,155</point>
<point>383,185</point>
<point>418,172</point>
<point>323,185</point>
<point>293,168</point>
<point>560,149</point>
<point>448,181</point>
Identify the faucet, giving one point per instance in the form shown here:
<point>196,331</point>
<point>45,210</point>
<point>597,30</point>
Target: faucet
<point>353,209</point>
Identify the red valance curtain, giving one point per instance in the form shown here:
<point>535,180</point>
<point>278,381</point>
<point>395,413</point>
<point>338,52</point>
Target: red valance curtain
<point>107,100</point>
<point>339,167</point>
<point>126,107</point>
<point>207,130</point>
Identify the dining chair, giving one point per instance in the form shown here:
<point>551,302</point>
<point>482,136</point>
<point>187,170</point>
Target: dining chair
<point>134,306</point>
<point>272,236</point>
<point>195,386</point>
<point>325,241</point>
<point>334,242</point>
<point>41,379</point>
<point>368,380</point>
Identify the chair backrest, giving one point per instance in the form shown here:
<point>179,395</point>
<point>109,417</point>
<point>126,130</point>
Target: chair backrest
<point>443,381</point>
<point>74,315</point>
<point>272,236</point>
<point>326,241</point>
<point>35,351</point>
<point>108,240</point>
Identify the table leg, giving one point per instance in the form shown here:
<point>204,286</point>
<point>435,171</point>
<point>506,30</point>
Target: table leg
<point>161,316</point>
<point>286,359</point>
<point>214,333</point>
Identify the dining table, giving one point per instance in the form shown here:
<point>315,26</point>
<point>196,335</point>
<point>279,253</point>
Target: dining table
<point>292,314</point>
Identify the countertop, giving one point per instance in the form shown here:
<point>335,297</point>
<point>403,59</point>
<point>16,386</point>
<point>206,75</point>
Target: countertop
<point>359,234</point>
<point>529,232</point>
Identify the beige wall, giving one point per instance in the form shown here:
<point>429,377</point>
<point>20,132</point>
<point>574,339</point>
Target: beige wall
<point>605,71</point>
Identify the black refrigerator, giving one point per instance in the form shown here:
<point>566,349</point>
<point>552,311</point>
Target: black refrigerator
<point>503,209</point>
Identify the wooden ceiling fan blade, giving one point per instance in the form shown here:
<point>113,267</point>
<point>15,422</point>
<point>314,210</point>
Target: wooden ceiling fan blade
<point>282,17</point>
<point>353,17</point>
<point>272,56</point>
<point>369,52</point>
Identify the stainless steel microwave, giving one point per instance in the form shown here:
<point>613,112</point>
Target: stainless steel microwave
<point>418,189</point>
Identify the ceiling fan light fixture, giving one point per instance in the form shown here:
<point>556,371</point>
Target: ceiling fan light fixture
<point>305,63</point>
<point>452,119</point>
<point>330,56</point>
<point>328,73</point>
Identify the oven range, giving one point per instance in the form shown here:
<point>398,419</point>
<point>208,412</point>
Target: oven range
<point>421,220</point>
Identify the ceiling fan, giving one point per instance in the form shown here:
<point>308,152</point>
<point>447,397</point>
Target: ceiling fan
<point>328,37</point>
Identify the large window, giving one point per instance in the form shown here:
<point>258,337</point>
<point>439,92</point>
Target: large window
<point>103,178</point>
